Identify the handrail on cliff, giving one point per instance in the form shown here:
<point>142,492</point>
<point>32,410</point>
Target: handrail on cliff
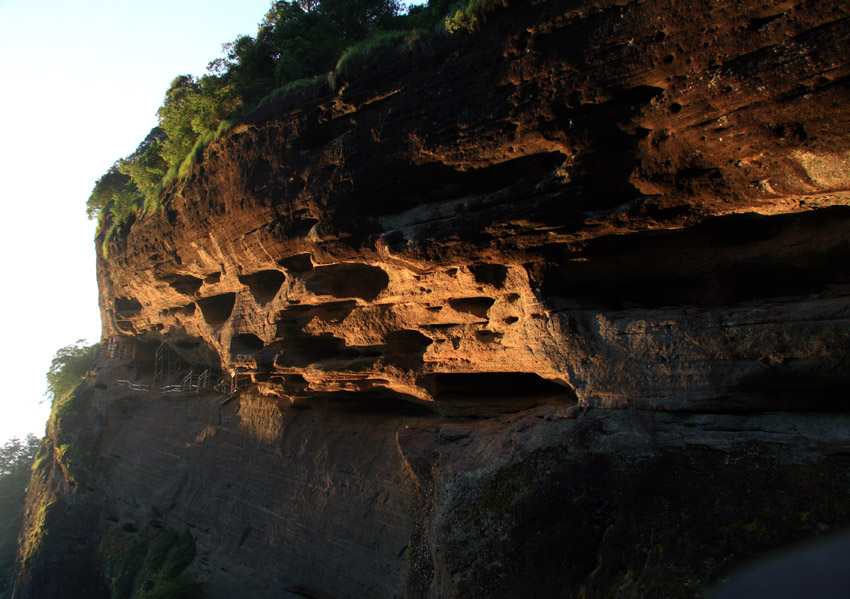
<point>134,386</point>
<point>167,368</point>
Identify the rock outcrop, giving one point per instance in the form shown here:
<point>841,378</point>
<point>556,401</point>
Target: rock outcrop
<point>557,308</point>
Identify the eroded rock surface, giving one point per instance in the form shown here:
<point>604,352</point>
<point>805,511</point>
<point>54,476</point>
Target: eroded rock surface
<point>558,308</point>
<point>528,200</point>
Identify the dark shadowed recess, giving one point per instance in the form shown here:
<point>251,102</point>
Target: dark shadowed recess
<point>145,358</point>
<point>127,306</point>
<point>291,320</point>
<point>493,394</point>
<point>298,349</point>
<point>300,263</point>
<point>489,274</point>
<point>484,385</point>
<point>245,344</point>
<point>186,284</point>
<point>217,309</point>
<point>392,189</point>
<point>348,279</point>
<point>726,260</point>
<point>375,401</point>
<point>303,350</point>
<point>798,384</point>
<point>477,306</point>
<point>264,284</point>
<point>407,342</point>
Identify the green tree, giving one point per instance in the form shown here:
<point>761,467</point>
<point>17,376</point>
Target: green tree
<point>193,109</point>
<point>16,458</point>
<point>296,40</point>
<point>69,368</point>
<point>355,19</point>
<point>145,167</point>
<point>111,183</point>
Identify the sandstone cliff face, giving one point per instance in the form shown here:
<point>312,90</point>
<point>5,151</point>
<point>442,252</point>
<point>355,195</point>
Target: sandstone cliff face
<point>560,307</point>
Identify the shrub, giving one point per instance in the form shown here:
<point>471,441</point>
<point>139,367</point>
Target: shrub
<point>358,55</point>
<point>288,88</point>
<point>112,182</point>
<point>130,562</point>
<point>151,566</point>
<point>16,458</point>
<point>471,15</point>
<point>68,369</point>
<point>297,43</point>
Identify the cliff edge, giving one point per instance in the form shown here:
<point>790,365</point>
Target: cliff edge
<point>556,308</point>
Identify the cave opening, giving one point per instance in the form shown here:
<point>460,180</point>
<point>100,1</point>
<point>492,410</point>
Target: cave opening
<point>186,284</point>
<point>299,263</point>
<point>489,274</point>
<point>477,306</point>
<point>303,350</point>
<point>407,342</point>
<point>496,385</point>
<point>217,309</point>
<point>348,279</point>
<point>728,260</point>
<point>264,285</point>
<point>127,306</point>
<point>245,344</point>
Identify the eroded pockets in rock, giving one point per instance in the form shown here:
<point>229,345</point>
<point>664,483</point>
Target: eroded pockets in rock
<point>348,279</point>
<point>477,306</point>
<point>127,307</point>
<point>728,260</point>
<point>186,284</point>
<point>217,309</point>
<point>495,385</point>
<point>264,285</point>
<point>246,344</point>
<point>490,274</point>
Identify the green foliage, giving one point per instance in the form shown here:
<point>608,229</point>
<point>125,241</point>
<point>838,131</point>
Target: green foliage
<point>181,555</point>
<point>355,57</point>
<point>156,557</point>
<point>152,566</point>
<point>146,166</point>
<point>68,369</point>
<point>131,183</point>
<point>16,458</point>
<point>184,586</point>
<point>111,183</point>
<point>429,16</point>
<point>193,108</point>
<point>470,15</point>
<point>297,43</point>
<point>288,88</point>
<point>130,562</point>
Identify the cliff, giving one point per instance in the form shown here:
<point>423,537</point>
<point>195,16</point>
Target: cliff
<point>555,308</point>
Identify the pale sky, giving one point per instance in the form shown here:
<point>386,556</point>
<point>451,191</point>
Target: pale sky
<point>81,82</point>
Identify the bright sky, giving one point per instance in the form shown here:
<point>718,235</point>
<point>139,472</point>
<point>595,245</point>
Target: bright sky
<point>81,84</point>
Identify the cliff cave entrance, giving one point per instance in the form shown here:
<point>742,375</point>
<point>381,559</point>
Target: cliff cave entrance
<point>496,385</point>
<point>492,394</point>
<point>217,309</point>
<point>246,344</point>
<point>346,280</point>
<point>264,284</point>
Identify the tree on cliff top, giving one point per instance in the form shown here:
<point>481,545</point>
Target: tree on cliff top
<point>69,368</point>
<point>294,40</point>
<point>297,42</point>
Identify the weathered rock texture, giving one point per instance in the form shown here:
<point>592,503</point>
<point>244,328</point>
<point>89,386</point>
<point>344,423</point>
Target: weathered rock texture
<point>558,308</point>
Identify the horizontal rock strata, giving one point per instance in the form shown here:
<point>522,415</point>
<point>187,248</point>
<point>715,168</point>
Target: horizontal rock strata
<point>558,308</point>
